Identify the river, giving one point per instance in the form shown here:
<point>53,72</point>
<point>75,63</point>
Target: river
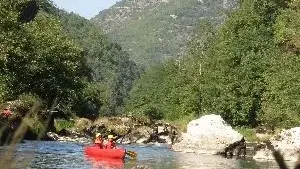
<point>62,155</point>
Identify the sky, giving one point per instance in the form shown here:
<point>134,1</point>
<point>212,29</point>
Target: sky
<point>85,8</point>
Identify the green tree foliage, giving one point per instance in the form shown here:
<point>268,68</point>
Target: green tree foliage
<point>246,71</point>
<point>112,72</point>
<point>153,30</point>
<point>39,58</point>
<point>62,58</point>
<point>282,96</point>
<point>169,89</point>
<point>173,89</point>
<point>232,82</point>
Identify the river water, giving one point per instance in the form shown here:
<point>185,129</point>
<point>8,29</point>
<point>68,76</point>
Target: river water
<point>61,155</point>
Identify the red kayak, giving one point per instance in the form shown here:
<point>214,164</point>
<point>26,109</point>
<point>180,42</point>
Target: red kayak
<point>96,151</point>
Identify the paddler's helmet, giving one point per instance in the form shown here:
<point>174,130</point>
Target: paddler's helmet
<point>98,134</point>
<point>110,137</point>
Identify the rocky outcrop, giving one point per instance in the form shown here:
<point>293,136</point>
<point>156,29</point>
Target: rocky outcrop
<point>209,135</point>
<point>287,142</point>
<point>82,124</point>
<point>131,130</point>
<point>68,136</point>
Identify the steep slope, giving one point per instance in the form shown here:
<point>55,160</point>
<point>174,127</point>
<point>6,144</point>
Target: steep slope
<point>109,73</point>
<point>112,72</point>
<point>153,30</point>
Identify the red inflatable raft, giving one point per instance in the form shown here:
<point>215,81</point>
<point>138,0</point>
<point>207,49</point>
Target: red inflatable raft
<point>95,151</point>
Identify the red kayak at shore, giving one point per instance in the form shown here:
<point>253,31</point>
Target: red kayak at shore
<point>96,151</point>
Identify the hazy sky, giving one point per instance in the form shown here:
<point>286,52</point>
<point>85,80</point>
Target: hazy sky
<point>85,8</point>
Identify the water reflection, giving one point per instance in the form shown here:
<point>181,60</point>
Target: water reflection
<point>105,163</point>
<point>194,161</point>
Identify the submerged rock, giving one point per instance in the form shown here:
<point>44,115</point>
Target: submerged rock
<point>209,135</point>
<point>52,136</point>
<point>287,142</point>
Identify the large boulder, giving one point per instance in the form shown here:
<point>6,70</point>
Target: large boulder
<point>287,142</point>
<point>209,135</point>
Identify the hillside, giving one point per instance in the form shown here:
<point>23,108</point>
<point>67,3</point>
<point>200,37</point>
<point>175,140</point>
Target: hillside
<point>153,30</point>
<point>63,60</point>
<point>246,70</point>
<point>112,72</point>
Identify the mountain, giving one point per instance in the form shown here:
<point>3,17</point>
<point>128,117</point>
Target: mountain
<point>154,30</point>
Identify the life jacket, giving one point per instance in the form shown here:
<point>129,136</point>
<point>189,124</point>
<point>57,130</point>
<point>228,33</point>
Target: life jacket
<point>6,113</point>
<point>110,145</point>
<point>99,141</point>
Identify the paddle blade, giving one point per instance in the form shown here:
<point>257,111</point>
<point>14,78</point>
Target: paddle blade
<point>131,154</point>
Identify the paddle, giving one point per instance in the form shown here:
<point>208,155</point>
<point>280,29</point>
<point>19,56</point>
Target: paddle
<point>131,154</point>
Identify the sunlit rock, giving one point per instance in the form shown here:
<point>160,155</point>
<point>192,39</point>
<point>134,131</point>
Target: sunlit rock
<point>52,136</point>
<point>209,135</point>
<point>287,142</point>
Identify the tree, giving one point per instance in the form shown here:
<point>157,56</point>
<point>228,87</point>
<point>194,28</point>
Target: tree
<point>281,106</point>
<point>111,69</point>
<point>38,57</point>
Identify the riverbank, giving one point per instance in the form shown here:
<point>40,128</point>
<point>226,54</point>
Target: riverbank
<point>208,135</point>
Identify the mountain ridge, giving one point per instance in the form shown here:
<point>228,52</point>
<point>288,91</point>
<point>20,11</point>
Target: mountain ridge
<point>154,30</point>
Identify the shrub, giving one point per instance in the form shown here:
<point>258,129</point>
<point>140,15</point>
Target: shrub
<point>63,124</point>
<point>153,113</point>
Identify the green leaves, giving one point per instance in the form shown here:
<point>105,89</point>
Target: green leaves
<point>38,57</point>
<point>64,57</point>
<point>247,71</point>
<point>110,68</point>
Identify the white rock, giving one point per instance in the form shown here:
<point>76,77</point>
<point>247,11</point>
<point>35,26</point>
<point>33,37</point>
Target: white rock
<point>141,140</point>
<point>209,135</point>
<point>287,142</point>
<point>52,136</point>
<point>166,139</point>
<point>160,129</point>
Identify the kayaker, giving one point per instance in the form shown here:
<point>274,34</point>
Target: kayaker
<point>110,143</point>
<point>6,113</point>
<point>99,140</point>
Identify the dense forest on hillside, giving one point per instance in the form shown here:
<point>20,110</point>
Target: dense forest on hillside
<point>62,60</point>
<point>247,70</point>
<point>112,72</point>
<point>155,30</point>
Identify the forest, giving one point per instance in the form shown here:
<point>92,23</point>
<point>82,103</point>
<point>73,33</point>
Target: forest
<point>61,61</point>
<point>246,70</point>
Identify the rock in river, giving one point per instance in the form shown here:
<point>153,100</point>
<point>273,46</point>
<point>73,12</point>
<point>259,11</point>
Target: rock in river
<point>287,142</point>
<point>209,135</point>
